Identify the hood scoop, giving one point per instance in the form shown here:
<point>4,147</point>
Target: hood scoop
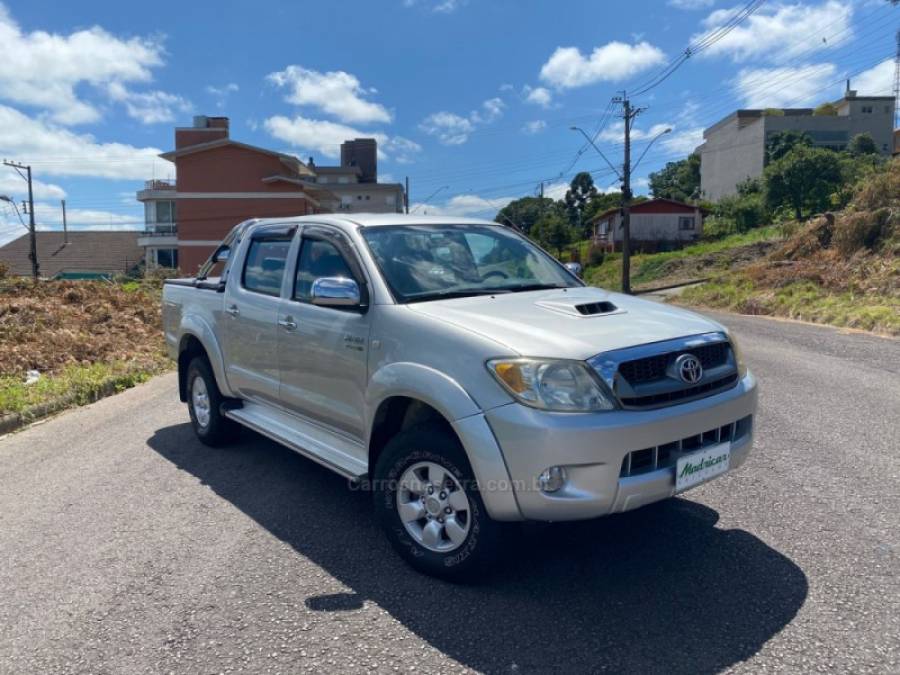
<point>574,308</point>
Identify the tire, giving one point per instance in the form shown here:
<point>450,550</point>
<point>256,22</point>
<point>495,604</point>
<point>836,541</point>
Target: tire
<point>204,405</point>
<point>468,540</point>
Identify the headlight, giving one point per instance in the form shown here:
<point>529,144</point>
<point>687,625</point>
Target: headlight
<point>562,386</point>
<point>738,355</point>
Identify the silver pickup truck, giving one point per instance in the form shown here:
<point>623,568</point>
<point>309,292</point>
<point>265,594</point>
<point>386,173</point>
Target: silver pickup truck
<point>458,371</point>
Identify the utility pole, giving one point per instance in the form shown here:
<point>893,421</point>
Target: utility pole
<point>406,195</point>
<point>897,82</point>
<point>32,255</point>
<point>628,113</point>
<point>65,225</point>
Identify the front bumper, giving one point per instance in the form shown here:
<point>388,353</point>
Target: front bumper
<point>592,447</point>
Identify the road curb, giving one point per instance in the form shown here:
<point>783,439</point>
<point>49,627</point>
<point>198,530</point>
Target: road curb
<point>10,422</point>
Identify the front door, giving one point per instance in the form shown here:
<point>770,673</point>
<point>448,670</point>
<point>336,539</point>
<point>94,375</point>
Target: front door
<point>323,351</point>
<point>252,298</point>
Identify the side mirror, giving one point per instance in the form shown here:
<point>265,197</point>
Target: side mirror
<point>222,255</point>
<point>335,292</point>
<point>574,268</point>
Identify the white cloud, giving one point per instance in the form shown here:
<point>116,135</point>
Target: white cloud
<point>44,69</point>
<point>798,86</point>
<point>449,128</point>
<point>490,111</point>
<point>771,33</point>
<point>438,6</point>
<point>534,127</point>
<point>464,206</point>
<point>683,142</point>
<point>615,133</point>
<point>877,81</point>
<point>325,137</point>
<point>567,67</point>
<point>56,151</point>
<point>336,93</point>
<point>691,4</point>
<point>452,129</point>
<point>149,107</point>
<point>49,217</point>
<point>538,96</point>
<point>221,94</point>
<point>12,185</point>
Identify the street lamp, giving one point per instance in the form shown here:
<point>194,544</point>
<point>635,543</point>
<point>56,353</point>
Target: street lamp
<point>430,197</point>
<point>6,198</point>
<point>668,130</point>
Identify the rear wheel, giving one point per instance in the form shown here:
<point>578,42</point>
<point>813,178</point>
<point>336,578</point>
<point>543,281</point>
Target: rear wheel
<point>204,406</point>
<point>429,505</point>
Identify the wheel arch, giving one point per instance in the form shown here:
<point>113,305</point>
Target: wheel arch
<point>198,339</point>
<point>404,395</point>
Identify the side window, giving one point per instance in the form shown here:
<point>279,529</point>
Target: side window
<point>264,268</point>
<point>318,258</point>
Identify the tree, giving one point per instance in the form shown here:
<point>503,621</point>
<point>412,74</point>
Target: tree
<point>526,211</point>
<point>826,110</point>
<point>782,142</point>
<point>862,144</point>
<point>804,179</point>
<point>553,232</point>
<point>581,191</point>
<point>678,180</point>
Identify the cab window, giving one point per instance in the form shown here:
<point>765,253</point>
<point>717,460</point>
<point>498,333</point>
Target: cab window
<point>264,267</point>
<point>318,258</point>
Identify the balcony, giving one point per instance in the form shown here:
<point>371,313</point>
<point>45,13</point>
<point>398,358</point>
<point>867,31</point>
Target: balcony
<point>159,235</point>
<point>157,189</point>
<point>159,184</point>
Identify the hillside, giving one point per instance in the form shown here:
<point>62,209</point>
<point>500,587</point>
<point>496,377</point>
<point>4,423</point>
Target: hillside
<point>841,269</point>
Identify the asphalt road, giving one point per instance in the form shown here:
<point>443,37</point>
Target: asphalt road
<point>127,547</point>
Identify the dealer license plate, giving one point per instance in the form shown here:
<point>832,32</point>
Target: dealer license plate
<point>701,466</point>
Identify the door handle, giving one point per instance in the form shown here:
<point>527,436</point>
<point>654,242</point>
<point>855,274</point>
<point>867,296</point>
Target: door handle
<point>233,310</point>
<point>288,323</point>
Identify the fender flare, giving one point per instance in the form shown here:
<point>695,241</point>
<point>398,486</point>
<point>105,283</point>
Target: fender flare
<point>195,326</point>
<point>448,397</point>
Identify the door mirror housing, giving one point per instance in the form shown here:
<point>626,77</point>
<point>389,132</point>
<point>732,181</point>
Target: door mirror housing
<point>222,254</point>
<point>335,292</point>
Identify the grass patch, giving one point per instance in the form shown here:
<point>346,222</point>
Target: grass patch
<point>684,264</point>
<point>802,300</point>
<point>74,385</point>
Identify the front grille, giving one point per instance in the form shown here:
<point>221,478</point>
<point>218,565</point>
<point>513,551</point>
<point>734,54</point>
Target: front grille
<point>654,367</point>
<point>664,456</point>
<point>673,396</point>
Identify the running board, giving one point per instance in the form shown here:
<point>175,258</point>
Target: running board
<point>331,450</point>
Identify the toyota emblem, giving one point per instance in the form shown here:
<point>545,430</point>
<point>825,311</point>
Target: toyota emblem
<point>689,368</point>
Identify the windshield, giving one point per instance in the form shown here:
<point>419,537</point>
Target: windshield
<point>427,262</point>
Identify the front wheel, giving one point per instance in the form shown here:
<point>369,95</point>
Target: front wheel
<point>429,506</point>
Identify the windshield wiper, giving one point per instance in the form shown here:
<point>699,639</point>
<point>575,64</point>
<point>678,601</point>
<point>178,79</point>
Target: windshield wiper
<point>463,293</point>
<point>533,287</point>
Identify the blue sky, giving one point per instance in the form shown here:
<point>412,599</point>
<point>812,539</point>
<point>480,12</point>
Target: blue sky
<point>470,98</point>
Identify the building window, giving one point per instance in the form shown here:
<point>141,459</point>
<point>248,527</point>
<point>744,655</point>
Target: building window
<point>685,222</point>
<point>359,197</point>
<point>346,201</point>
<point>391,200</point>
<point>167,257</point>
<point>343,179</point>
<point>367,198</point>
<point>165,212</point>
<point>867,109</point>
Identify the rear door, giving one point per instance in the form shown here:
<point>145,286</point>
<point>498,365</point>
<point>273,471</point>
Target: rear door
<point>249,323</point>
<point>323,351</point>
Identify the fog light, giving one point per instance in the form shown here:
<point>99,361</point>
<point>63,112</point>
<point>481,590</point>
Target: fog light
<point>552,479</point>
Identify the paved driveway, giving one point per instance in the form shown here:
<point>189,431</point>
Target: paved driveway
<point>128,547</point>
